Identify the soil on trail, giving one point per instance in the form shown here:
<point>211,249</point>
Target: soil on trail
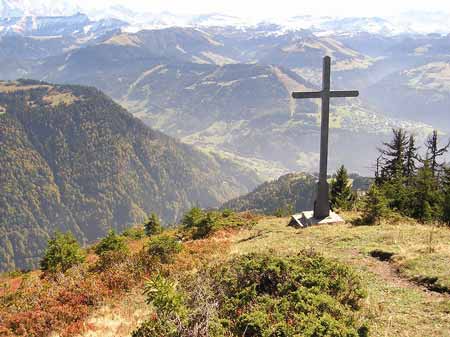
<point>388,272</point>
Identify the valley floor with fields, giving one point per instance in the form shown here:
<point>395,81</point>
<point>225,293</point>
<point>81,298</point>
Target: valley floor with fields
<point>403,265</point>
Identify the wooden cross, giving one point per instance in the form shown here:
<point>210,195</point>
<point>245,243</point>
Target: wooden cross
<point>322,205</point>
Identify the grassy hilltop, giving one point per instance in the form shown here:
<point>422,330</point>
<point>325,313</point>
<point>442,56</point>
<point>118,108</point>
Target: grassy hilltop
<point>391,279</point>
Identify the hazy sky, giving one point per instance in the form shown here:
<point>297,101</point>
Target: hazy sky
<point>282,8</point>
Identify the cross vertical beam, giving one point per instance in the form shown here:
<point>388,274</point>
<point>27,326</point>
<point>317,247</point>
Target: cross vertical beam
<point>322,204</point>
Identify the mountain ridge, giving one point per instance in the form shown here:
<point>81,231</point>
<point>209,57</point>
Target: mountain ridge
<point>78,161</point>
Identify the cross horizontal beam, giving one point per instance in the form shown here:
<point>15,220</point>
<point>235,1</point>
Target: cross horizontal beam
<point>314,94</point>
<point>320,94</point>
<point>351,93</point>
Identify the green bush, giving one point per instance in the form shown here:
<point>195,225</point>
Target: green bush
<point>111,243</point>
<point>62,253</point>
<point>306,295</point>
<point>164,247</point>
<point>259,296</point>
<point>169,309</point>
<point>227,212</point>
<point>153,225</point>
<point>155,328</point>
<point>163,295</point>
<point>134,233</point>
<point>200,224</point>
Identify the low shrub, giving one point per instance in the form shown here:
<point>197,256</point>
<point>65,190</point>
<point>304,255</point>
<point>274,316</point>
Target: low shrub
<point>108,259</point>
<point>62,302</point>
<point>111,243</point>
<point>42,306</point>
<point>199,224</point>
<point>260,296</point>
<point>134,233</point>
<point>122,274</point>
<point>164,248</point>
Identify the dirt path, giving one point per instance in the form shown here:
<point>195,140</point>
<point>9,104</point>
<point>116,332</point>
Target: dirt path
<point>388,272</point>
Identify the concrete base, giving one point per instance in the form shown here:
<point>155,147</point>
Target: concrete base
<point>306,219</point>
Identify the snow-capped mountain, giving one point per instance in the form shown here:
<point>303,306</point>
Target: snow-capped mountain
<point>423,22</point>
<point>139,20</point>
<point>374,25</point>
<point>409,22</point>
<point>46,26</point>
<point>18,8</point>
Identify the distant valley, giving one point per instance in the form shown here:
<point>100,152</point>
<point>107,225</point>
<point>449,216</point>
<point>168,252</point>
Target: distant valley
<point>227,90</point>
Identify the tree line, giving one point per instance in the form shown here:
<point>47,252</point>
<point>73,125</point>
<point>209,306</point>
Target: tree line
<point>409,180</point>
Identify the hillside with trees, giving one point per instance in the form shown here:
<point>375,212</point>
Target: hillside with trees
<point>291,192</point>
<point>295,192</point>
<point>72,159</point>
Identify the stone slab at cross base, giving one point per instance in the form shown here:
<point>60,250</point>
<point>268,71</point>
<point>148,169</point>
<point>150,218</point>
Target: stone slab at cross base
<point>306,219</point>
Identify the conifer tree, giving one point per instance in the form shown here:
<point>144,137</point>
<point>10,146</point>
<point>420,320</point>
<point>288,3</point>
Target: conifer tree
<point>394,155</point>
<point>375,206</point>
<point>446,195</point>
<point>434,152</point>
<point>341,191</point>
<point>411,158</point>
<point>397,193</point>
<point>193,217</point>
<point>426,198</point>
<point>153,225</point>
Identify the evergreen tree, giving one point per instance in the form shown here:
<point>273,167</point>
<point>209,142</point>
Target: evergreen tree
<point>394,155</point>
<point>375,206</point>
<point>193,217</point>
<point>341,192</point>
<point>62,253</point>
<point>426,198</point>
<point>379,177</point>
<point>153,225</point>
<point>411,158</point>
<point>434,152</point>
<point>397,193</point>
<point>445,201</point>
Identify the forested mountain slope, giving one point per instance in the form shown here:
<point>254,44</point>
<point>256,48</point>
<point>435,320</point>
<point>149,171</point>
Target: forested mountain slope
<point>72,159</point>
<point>294,191</point>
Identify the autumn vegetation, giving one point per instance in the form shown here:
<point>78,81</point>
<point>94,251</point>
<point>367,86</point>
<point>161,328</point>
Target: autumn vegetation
<point>75,280</point>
